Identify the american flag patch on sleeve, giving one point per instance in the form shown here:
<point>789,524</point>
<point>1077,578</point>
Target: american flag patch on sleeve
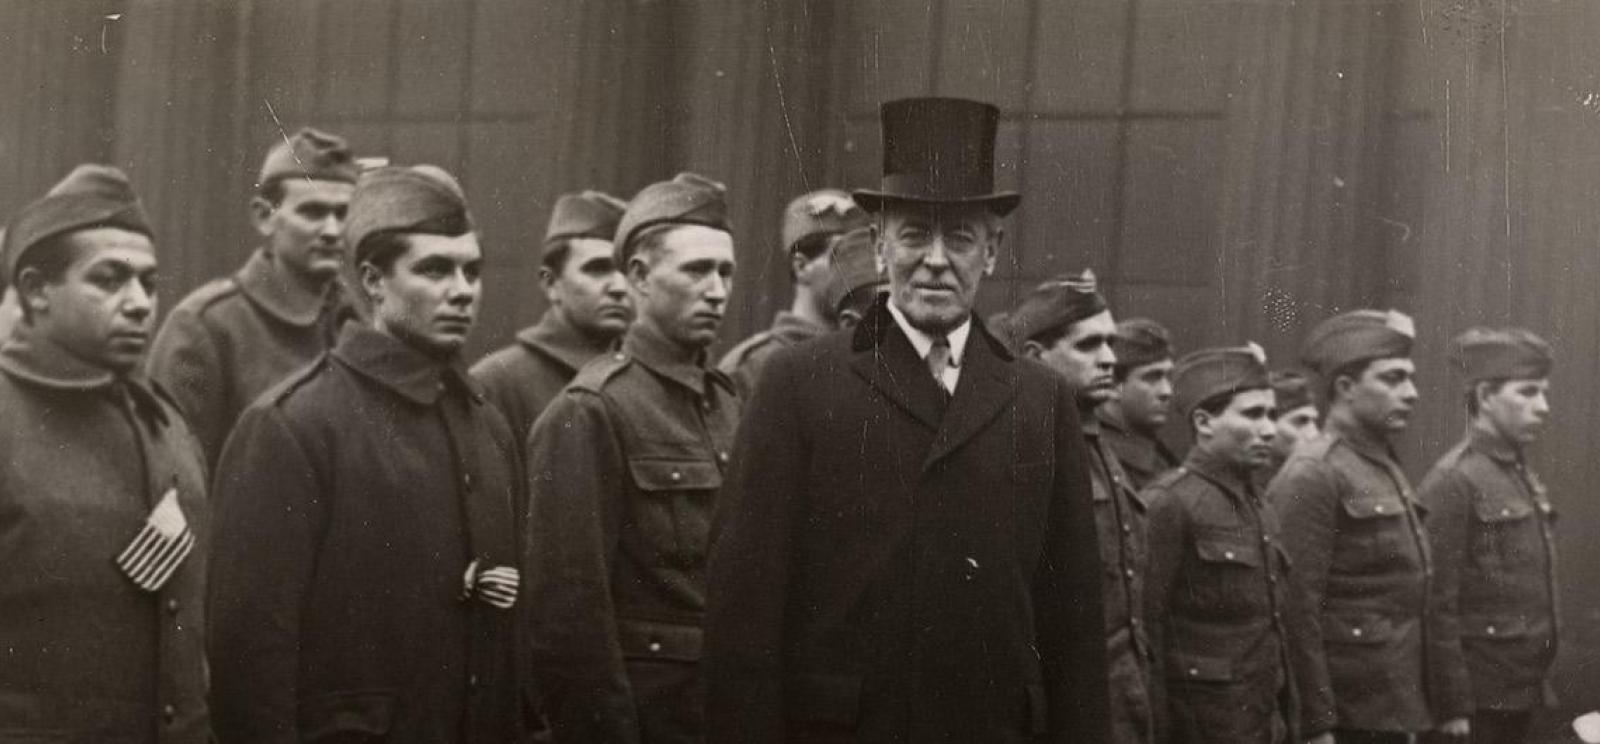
<point>160,547</point>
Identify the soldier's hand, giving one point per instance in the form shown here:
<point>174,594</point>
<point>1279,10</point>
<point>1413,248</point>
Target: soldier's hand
<point>1456,727</point>
<point>1326,738</point>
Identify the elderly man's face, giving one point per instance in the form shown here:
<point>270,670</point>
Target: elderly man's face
<point>935,257</point>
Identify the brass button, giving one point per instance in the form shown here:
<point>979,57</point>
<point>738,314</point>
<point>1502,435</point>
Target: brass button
<point>1194,671</point>
<point>1505,512</point>
<point>168,712</point>
<point>1378,509</point>
<point>1490,630</point>
<point>172,606</point>
<point>1129,572</point>
<point>619,356</point>
<point>1227,554</point>
<point>722,457</point>
<point>676,476</point>
<point>655,647</point>
<point>1355,632</point>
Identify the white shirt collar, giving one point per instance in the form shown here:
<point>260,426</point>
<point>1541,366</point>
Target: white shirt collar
<point>923,342</point>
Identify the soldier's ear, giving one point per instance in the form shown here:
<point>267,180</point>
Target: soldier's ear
<point>261,212</point>
<point>1200,420</point>
<point>1032,349</point>
<point>30,291</point>
<point>637,270</point>
<point>371,281</point>
<point>991,254</point>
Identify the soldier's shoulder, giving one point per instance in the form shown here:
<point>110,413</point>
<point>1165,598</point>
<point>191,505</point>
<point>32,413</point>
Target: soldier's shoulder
<point>298,384</point>
<point>743,350</point>
<point>209,297</point>
<point>502,361</point>
<point>601,371</point>
<point>1172,479</point>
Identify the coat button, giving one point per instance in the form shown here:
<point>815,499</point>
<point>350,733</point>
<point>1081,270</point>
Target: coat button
<point>169,713</point>
<point>466,482</point>
<point>722,457</point>
<point>1127,529</point>
<point>1194,672</point>
<point>619,356</point>
<point>172,607</point>
<point>1378,509</point>
<point>1227,554</point>
<point>1355,632</point>
<point>1490,630</point>
<point>472,682</point>
<point>1266,538</point>
<point>1129,572</point>
<point>1505,512</point>
<point>655,647</point>
<point>676,476</point>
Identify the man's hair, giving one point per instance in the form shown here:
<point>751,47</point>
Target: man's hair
<point>555,255</point>
<point>383,247</point>
<point>810,246</point>
<point>1120,372</point>
<point>1216,404</point>
<point>50,257</point>
<point>1493,385</point>
<point>647,242</point>
<point>1352,370</point>
<point>272,190</point>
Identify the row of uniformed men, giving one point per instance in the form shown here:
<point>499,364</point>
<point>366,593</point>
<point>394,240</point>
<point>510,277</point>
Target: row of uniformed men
<point>913,524</point>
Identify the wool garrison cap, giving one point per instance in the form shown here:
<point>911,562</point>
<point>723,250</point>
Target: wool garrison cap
<point>1357,336</point>
<point>90,196</point>
<point>822,212</point>
<point>1500,354</point>
<point>1058,302</point>
<point>939,151</point>
<point>1141,341</point>
<point>312,154</point>
<point>589,214</point>
<point>688,199</point>
<point>852,266</point>
<point>1208,373</point>
<point>401,199</point>
<point>1293,390</point>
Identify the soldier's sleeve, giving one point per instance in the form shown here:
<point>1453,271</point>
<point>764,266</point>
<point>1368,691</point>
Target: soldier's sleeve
<point>575,472</point>
<point>268,515</point>
<point>1448,500</point>
<point>748,579</point>
<point>1308,499</point>
<point>1068,601</point>
<point>1168,541</point>
<point>184,360</point>
<point>500,387</point>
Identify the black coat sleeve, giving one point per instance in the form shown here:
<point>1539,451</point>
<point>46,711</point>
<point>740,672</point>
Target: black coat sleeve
<point>1308,499</point>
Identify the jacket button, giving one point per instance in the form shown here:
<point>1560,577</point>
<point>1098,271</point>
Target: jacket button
<point>169,713</point>
<point>1127,529</point>
<point>655,647</point>
<point>1266,538</point>
<point>466,482</point>
<point>1505,512</point>
<point>472,682</point>
<point>1355,632</point>
<point>619,356</point>
<point>1129,572</point>
<point>1378,509</point>
<point>172,607</point>
<point>676,476</point>
<point>1194,672</point>
<point>1227,554</point>
<point>722,457</point>
<point>1490,630</point>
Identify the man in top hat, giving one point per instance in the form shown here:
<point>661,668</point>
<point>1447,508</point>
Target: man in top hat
<point>854,281</point>
<point>102,487</point>
<point>1131,420</point>
<point>626,465</point>
<point>589,310</point>
<point>370,511</point>
<point>1065,324</point>
<point>233,338</point>
<point>905,551</point>
<point>1354,532</point>
<point>1297,416</point>
<point>810,223</point>
<point>1491,529</point>
<point>1219,597</point>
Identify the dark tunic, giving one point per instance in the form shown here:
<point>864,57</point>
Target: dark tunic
<point>233,338</point>
<point>1354,531</point>
<point>350,501</point>
<point>625,467</point>
<point>896,565</point>
<point>1143,457</point>
<point>743,363</point>
<point>1221,608</point>
<point>1492,529</point>
<point>1120,520</point>
<point>85,655</point>
<point>521,379</point>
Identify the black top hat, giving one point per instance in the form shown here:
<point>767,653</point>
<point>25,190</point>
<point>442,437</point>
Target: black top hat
<point>939,150</point>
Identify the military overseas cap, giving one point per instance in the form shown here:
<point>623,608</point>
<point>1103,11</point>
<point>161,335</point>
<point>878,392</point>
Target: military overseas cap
<point>1357,336</point>
<point>90,196</point>
<point>1500,354</point>
<point>1208,373</point>
<point>1141,341</point>
<point>821,212</point>
<point>1056,303</point>
<point>938,151</point>
<point>688,199</point>
<point>310,154</point>
<point>402,199</point>
<point>1293,390</point>
<point>851,266</point>
<point>588,214</point>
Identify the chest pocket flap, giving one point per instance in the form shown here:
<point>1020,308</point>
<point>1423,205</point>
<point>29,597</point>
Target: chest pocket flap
<point>1500,508</point>
<point>659,474</point>
<point>1367,505</point>
<point>1237,549</point>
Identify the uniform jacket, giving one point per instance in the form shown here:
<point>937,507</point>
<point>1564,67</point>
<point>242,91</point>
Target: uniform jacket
<point>233,338</point>
<point>1142,457</point>
<point>893,565</point>
<point>743,363</point>
<point>88,656</point>
<point>625,466</point>
<point>1222,607</point>
<point>1492,530</point>
<point>523,378</point>
<point>1354,532</point>
<point>350,501</point>
<point>1120,520</point>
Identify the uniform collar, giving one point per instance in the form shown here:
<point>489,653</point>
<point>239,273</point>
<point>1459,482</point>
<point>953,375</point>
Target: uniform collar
<point>36,361</point>
<point>1362,441</point>
<point>558,339</point>
<point>280,296</point>
<point>1112,419</point>
<point>1230,476</point>
<point>400,367</point>
<point>663,357</point>
<point>792,329</point>
<point>1492,446</point>
<point>923,342</point>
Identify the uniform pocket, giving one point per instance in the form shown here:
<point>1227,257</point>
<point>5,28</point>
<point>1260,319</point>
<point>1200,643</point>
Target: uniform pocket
<point>1360,629</point>
<point>675,513</point>
<point>1196,668</point>
<point>645,639</point>
<point>1227,549</point>
<point>1493,628</point>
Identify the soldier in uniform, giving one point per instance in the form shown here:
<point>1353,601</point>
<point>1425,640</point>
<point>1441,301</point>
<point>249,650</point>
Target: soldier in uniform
<point>1491,527</point>
<point>102,487</point>
<point>626,464</point>
<point>233,338</point>
<point>854,281</point>
<point>904,551</point>
<point>1065,324</point>
<point>1131,421</point>
<point>370,511</point>
<point>589,310</point>
<point>1297,416</point>
<point>1355,535</point>
<point>1219,596</point>
<point>810,223</point>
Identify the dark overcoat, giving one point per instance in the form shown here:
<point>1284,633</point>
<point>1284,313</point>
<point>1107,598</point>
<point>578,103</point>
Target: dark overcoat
<point>521,379</point>
<point>350,502</point>
<point>893,566</point>
<point>85,655</point>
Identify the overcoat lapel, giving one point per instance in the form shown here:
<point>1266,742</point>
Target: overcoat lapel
<point>988,383</point>
<point>885,359</point>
